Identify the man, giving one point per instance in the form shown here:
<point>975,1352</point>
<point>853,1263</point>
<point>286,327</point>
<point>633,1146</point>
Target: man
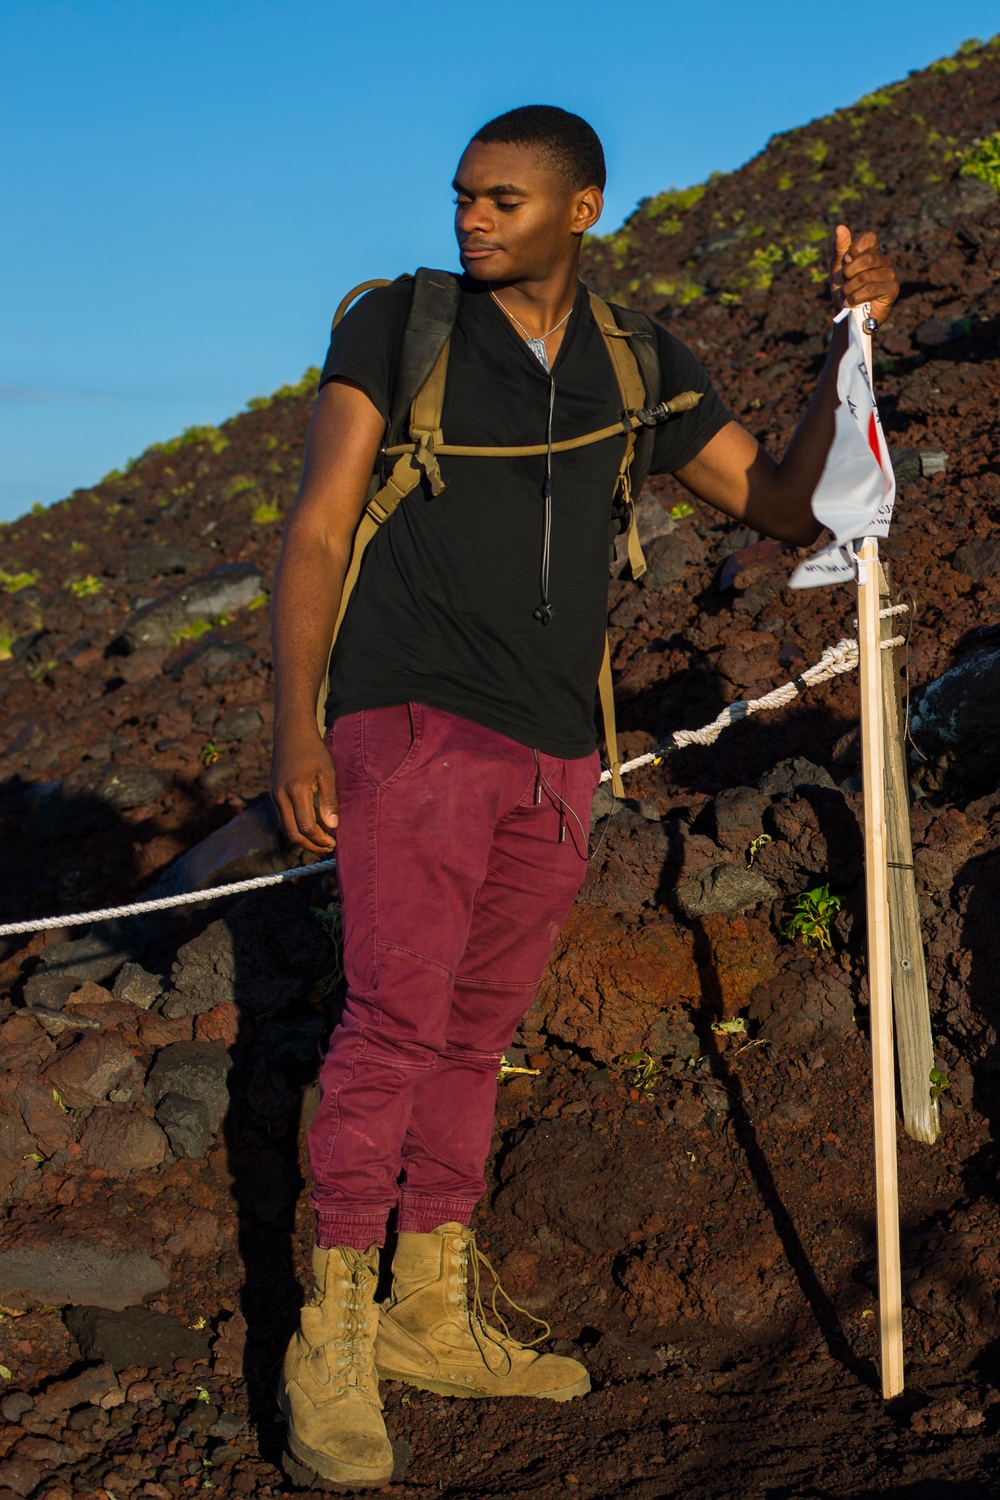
<point>459,768</point>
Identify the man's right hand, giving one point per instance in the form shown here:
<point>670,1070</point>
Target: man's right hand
<point>304,788</point>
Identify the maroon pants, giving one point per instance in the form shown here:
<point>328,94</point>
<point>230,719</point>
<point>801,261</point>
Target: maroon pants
<point>460,853</point>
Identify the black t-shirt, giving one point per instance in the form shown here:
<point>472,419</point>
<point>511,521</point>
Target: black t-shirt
<point>443,610</point>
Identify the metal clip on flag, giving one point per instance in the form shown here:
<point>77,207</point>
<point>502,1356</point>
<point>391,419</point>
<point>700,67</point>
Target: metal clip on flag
<point>854,499</point>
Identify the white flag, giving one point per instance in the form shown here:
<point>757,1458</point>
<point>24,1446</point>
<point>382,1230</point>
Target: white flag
<point>857,489</point>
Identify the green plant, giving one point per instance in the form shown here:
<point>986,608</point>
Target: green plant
<point>209,753</point>
<point>939,1082</point>
<point>84,588</point>
<point>736,1027</point>
<point>266,515</point>
<point>807,256</point>
<point>643,1070</point>
<point>681,510</point>
<point>758,273</point>
<point>756,846</point>
<point>510,1070</point>
<point>812,914</point>
<point>302,387</point>
<point>331,920</point>
<point>76,546</point>
<point>12,583</point>
<point>191,632</point>
<point>983,161</point>
<point>203,1394</point>
<point>7,639</point>
<point>238,485</point>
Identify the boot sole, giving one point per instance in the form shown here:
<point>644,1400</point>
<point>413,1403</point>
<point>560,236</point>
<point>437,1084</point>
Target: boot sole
<point>447,1388</point>
<point>339,1477</point>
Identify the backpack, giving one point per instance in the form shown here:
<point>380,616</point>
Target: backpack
<point>414,439</point>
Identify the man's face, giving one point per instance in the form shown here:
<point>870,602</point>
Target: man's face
<point>516,218</point>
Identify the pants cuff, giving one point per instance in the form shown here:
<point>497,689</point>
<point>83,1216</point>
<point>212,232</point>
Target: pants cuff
<point>420,1215</point>
<point>354,1231</point>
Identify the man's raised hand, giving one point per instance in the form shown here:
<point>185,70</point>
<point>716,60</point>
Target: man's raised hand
<point>860,273</point>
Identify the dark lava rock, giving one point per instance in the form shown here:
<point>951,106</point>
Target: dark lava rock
<point>959,713</point>
<point>784,779</point>
<point>86,1072</point>
<point>980,559</point>
<point>49,991</point>
<point>726,889</point>
<point>737,814</point>
<point>938,331</point>
<point>238,724</point>
<point>118,1140</point>
<point>193,1070</point>
<point>905,464</point>
<point>215,593</point>
<point>46,1269</point>
<point>803,1009</point>
<point>156,560</point>
<point>14,1406</point>
<point>262,956</point>
<point>187,1122</point>
<point>137,986</point>
<point>135,1337</point>
<point>131,786</point>
<point>98,956</point>
<point>669,556</point>
<point>89,1387</point>
<point>249,844</point>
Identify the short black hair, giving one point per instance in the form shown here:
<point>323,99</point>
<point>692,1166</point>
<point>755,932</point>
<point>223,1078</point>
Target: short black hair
<point>564,140</point>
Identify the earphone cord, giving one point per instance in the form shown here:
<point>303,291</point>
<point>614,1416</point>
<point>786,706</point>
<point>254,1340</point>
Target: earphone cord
<point>544,612</point>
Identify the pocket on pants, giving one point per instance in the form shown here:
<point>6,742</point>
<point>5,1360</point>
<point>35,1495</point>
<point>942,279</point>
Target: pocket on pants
<point>390,739</point>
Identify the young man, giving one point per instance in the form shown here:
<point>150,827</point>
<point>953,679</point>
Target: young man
<point>459,768</point>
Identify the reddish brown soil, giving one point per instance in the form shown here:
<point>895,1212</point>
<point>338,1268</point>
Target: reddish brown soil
<point>707,1246</point>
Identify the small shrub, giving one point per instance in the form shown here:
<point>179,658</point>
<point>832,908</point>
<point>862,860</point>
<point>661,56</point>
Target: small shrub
<point>191,631</point>
<point>939,1082</point>
<point>681,510</point>
<point>643,1070</point>
<point>13,583</point>
<point>266,515</point>
<point>209,753</point>
<point>85,588</point>
<point>813,912</point>
<point>309,382</point>
<point>76,546</point>
<point>983,161</point>
<point>38,509</point>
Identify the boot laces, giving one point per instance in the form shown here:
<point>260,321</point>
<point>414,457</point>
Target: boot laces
<point>351,1351</point>
<point>470,1254</point>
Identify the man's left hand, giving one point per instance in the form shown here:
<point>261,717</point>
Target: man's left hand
<point>860,273</point>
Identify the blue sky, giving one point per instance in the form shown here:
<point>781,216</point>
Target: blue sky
<point>189,187</point>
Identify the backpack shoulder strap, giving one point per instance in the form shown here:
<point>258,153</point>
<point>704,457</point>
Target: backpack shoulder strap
<point>643,345</point>
<point>417,395</point>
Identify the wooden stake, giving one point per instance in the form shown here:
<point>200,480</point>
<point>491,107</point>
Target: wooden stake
<point>910,1003</point>
<point>880,974</point>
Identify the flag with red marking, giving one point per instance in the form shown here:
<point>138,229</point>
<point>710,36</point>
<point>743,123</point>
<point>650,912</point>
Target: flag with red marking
<point>857,489</point>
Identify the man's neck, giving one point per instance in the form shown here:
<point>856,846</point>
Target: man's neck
<point>540,304</point>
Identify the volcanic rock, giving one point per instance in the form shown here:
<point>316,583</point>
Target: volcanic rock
<point>137,986</point>
<point>249,844</point>
<point>194,1071</point>
<point>119,1140</point>
<point>87,1072</point>
<point>803,1009</point>
<point>43,1268</point>
<point>135,1337</point>
<point>959,713</point>
<point>238,724</point>
<point>187,1122</point>
<point>785,778</point>
<point>669,556</point>
<point>98,956</point>
<point>724,888</point>
<point>157,559</point>
<point>226,588</point>
<point>48,990</point>
<point>980,559</point>
<point>131,786</point>
<point>91,1387</point>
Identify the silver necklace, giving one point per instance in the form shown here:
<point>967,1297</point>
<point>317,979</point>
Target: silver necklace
<point>537,346</point>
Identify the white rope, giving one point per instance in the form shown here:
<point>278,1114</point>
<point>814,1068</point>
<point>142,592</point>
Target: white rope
<point>163,902</point>
<point>843,657</point>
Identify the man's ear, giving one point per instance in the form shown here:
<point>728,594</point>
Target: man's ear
<point>587,209</point>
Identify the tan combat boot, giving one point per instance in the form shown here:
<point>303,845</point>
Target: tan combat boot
<point>428,1337</point>
<point>329,1390</point>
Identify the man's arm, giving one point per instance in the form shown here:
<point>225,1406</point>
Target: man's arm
<point>736,475</point>
<point>341,448</point>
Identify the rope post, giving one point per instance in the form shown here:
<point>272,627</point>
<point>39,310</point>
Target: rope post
<point>890,1301</point>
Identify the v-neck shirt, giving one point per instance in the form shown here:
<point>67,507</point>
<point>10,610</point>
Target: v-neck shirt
<point>443,609</point>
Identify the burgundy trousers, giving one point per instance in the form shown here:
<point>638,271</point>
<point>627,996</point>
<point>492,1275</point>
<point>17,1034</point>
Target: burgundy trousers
<point>460,853</point>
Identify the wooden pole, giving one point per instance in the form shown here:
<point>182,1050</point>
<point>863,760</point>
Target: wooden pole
<point>910,1003</point>
<point>880,974</point>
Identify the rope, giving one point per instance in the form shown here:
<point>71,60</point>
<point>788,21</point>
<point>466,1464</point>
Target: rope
<point>82,918</point>
<point>843,657</point>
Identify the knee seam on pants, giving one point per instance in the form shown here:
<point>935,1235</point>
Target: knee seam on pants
<point>421,958</point>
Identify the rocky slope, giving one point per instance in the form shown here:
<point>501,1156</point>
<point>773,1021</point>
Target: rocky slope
<point>697,1223</point>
